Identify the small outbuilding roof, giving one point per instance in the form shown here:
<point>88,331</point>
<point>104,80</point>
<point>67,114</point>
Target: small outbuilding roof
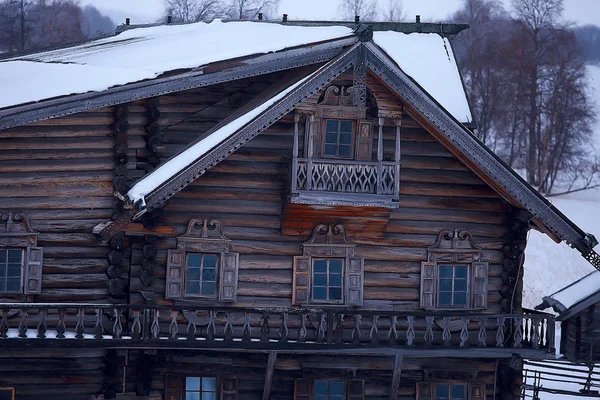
<point>575,297</point>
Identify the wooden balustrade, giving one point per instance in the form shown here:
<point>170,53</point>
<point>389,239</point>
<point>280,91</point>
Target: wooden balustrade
<point>266,328</point>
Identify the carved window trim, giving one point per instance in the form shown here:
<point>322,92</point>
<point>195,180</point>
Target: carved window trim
<point>328,242</point>
<point>454,247</point>
<point>203,237</point>
<point>16,234</point>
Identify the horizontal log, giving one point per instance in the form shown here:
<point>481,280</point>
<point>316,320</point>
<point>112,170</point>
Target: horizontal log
<point>76,281</point>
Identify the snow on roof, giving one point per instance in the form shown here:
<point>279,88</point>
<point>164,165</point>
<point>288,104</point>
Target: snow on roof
<point>179,162</point>
<point>429,60</point>
<point>578,290</point>
<point>145,53</point>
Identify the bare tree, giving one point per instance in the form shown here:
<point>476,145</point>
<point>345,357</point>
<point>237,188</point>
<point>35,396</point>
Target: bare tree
<point>393,11</point>
<point>366,9</point>
<point>193,10</point>
<point>249,9</point>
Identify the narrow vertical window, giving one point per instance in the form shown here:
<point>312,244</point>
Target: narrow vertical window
<point>200,388</point>
<point>339,138</point>
<point>328,390</point>
<point>11,270</point>
<point>452,285</point>
<point>327,279</point>
<point>201,278</point>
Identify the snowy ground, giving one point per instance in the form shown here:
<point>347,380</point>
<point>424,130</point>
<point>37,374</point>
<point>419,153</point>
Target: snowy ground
<point>550,267</point>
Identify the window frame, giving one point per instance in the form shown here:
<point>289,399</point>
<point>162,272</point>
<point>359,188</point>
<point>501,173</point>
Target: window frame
<point>468,300</point>
<point>468,384</point>
<point>348,384</point>
<point>217,273</point>
<point>22,270</point>
<point>342,299</point>
<point>353,137</point>
<point>12,391</point>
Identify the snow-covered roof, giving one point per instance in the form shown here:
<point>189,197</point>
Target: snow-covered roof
<point>428,59</point>
<point>146,53</point>
<point>575,293</point>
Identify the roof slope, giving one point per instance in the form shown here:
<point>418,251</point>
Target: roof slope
<point>574,297</point>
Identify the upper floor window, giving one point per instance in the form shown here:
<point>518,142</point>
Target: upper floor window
<point>329,389</point>
<point>454,277</point>
<point>20,258</point>
<point>202,266</point>
<point>339,139</point>
<point>328,272</point>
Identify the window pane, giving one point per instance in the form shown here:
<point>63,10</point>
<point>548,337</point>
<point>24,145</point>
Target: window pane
<point>194,260</point>
<point>461,271</point>
<point>210,260</point>
<point>192,383</point>
<point>331,138</point>
<point>321,397</point>
<point>320,293</point>
<point>445,271</point>
<point>458,392</point>
<point>337,388</point>
<point>320,280</point>
<point>193,274</point>
<point>208,395</point>
<point>335,293</point>
<point>346,126</point>
<point>460,285</point>
<point>335,266</point>
<point>3,256</point>
<point>345,138</point>
<point>14,270</point>
<point>442,391</point>
<point>192,287</point>
<point>2,270</point>
<point>192,396</point>
<point>344,151</point>
<point>332,125</point>
<point>209,384</point>
<point>445,298</point>
<point>320,266</point>
<point>322,387</point>
<point>331,150</point>
<point>2,284</point>
<point>209,274</point>
<point>460,299</point>
<point>445,285</point>
<point>208,288</point>
<point>13,284</point>
<point>14,256</point>
<point>335,280</point>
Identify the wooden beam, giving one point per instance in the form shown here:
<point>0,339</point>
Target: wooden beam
<point>269,374</point>
<point>396,377</point>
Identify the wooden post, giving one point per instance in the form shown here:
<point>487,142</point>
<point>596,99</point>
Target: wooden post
<point>380,157</point>
<point>295,153</point>
<point>269,374</point>
<point>396,377</point>
<point>310,121</point>
<point>397,158</point>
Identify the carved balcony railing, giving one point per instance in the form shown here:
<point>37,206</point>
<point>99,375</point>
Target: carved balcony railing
<point>342,181</point>
<point>260,329</point>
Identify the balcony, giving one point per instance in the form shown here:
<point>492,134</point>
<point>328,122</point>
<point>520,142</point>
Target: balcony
<point>345,182</point>
<point>287,330</point>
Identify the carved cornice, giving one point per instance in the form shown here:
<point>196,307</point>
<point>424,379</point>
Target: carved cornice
<point>15,230</point>
<point>204,235</point>
<point>454,240</point>
<point>328,240</point>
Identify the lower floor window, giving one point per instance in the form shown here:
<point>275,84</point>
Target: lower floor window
<point>450,391</point>
<point>328,390</point>
<point>200,388</point>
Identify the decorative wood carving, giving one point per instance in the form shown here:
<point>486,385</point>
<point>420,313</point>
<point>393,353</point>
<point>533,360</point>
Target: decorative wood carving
<point>204,235</point>
<point>15,230</point>
<point>454,246</point>
<point>338,102</point>
<point>328,240</point>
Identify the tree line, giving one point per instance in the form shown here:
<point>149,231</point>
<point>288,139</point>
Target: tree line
<point>35,24</point>
<point>525,75</point>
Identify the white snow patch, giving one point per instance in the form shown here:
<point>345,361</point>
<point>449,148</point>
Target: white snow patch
<point>179,162</point>
<point>145,53</point>
<point>429,60</point>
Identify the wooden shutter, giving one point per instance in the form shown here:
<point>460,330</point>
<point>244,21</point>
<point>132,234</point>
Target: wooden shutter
<point>480,285</point>
<point>354,283</point>
<point>364,141</point>
<point>300,290</point>
<point>477,391</point>
<point>356,389</point>
<point>229,277</point>
<point>230,388</point>
<point>174,286</point>
<point>302,389</point>
<point>424,391</point>
<point>427,285</point>
<point>173,388</point>
<point>33,270</point>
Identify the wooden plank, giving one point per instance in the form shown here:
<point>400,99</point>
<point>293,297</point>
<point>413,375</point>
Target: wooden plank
<point>396,377</point>
<point>269,375</point>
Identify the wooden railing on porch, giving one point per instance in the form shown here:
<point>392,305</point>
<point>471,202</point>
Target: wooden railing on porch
<point>258,328</point>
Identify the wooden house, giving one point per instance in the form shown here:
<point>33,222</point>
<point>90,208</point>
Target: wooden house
<point>249,210</point>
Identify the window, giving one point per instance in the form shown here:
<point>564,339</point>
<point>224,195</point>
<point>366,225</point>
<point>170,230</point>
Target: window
<point>20,260</point>
<point>328,272</point>
<point>7,393</point>
<point>201,278</point>
<point>200,388</point>
<point>452,285</point>
<point>327,279</point>
<point>328,389</point>
<point>339,138</point>
<point>450,390</point>
<point>202,265</point>
<point>454,277</point>
<point>11,268</point>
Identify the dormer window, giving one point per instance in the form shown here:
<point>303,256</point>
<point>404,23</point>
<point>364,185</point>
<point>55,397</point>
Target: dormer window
<point>339,138</point>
